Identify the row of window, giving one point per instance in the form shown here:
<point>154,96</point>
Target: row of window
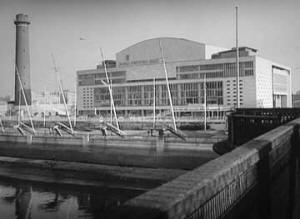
<point>101,75</point>
<point>182,94</point>
<point>222,66</point>
<point>217,74</point>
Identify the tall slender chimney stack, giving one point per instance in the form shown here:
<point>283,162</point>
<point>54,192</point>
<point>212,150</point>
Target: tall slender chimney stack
<point>22,68</point>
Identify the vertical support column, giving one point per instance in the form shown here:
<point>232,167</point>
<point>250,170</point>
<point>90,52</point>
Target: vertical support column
<point>142,95</point>
<point>292,210</point>
<point>199,92</point>
<point>231,134</point>
<point>126,96</point>
<point>264,183</point>
<point>159,102</point>
<point>179,94</point>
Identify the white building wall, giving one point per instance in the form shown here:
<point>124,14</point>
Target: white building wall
<point>248,91</point>
<point>282,85</point>
<point>264,95</point>
<point>149,71</point>
<point>142,72</point>
<point>79,97</point>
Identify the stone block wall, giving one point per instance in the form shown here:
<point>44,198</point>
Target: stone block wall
<point>256,180</point>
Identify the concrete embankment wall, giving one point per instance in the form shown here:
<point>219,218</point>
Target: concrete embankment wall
<point>124,125</point>
<point>146,152</point>
<point>191,143</point>
<point>259,179</point>
<point>84,174</point>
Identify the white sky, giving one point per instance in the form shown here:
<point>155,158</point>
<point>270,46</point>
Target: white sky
<point>271,26</point>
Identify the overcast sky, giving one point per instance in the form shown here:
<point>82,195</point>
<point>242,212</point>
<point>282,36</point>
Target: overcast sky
<point>271,26</point>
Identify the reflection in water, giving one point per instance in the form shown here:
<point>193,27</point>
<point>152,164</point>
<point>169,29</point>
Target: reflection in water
<point>52,204</point>
<point>24,200</point>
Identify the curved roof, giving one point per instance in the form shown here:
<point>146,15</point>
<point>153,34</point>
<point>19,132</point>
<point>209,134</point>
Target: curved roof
<point>175,49</point>
<point>162,39</point>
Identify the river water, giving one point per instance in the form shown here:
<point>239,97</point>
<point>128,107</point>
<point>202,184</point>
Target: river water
<point>27,200</point>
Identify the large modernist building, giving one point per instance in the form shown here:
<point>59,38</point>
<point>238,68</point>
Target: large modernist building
<point>138,70</point>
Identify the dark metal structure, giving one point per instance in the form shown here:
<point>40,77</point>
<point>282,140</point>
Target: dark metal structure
<point>247,123</point>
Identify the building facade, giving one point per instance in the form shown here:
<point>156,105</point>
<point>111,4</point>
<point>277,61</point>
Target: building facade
<point>296,100</point>
<point>52,103</point>
<point>138,79</point>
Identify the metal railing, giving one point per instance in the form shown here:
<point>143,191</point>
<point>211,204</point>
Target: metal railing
<point>247,123</point>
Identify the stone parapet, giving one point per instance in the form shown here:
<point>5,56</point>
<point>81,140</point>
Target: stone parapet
<point>256,180</point>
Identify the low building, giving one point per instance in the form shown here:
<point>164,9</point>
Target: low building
<point>52,103</point>
<point>138,78</point>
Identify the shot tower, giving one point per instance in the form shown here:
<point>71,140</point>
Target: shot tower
<point>22,60</point>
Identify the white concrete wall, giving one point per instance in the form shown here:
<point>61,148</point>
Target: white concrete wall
<point>264,80</point>
<point>142,72</point>
<point>263,70</point>
<point>247,91</point>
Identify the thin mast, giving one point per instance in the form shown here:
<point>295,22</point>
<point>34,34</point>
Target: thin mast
<point>111,105</point>
<point>62,92</point>
<point>237,61</point>
<point>154,106</point>
<point>25,99</point>
<point>205,110</point>
<point>110,90</point>
<point>2,127</point>
<point>75,103</point>
<point>167,83</point>
<point>44,108</point>
<point>19,115</point>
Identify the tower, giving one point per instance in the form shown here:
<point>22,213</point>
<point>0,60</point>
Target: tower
<point>22,60</point>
